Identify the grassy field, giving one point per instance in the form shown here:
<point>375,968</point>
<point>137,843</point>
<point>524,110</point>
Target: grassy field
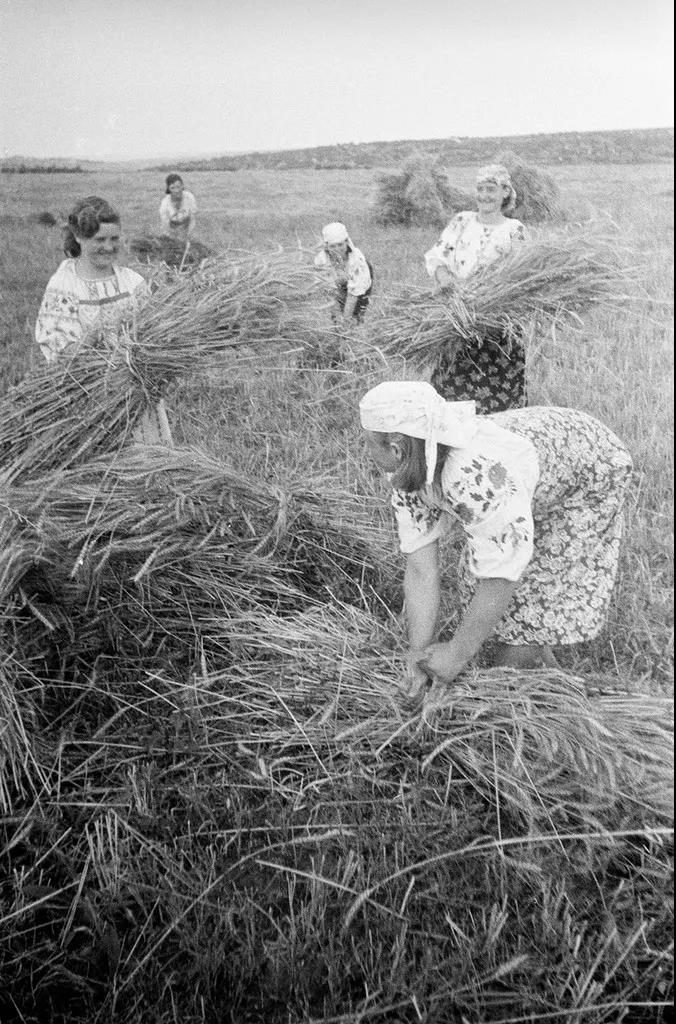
<point>265,838</point>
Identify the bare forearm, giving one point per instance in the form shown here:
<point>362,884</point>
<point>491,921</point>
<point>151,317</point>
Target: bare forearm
<point>444,661</point>
<point>422,601</point>
<point>488,605</point>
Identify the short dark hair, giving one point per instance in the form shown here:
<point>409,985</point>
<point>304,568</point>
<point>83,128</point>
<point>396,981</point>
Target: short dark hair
<point>412,474</point>
<point>84,221</point>
<point>170,179</point>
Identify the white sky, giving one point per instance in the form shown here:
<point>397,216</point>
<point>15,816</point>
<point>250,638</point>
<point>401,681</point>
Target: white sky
<point>152,78</point>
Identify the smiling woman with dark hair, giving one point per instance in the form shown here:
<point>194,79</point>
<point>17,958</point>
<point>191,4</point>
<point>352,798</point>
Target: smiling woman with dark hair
<point>90,284</point>
<point>91,288</point>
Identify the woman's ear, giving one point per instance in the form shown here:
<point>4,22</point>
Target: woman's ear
<point>397,450</point>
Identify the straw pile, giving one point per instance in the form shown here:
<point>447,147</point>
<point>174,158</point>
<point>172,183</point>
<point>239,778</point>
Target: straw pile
<point>544,281</point>
<point>538,197</point>
<point>172,251</point>
<point>91,404</point>
<point>419,194</point>
<point>153,552</point>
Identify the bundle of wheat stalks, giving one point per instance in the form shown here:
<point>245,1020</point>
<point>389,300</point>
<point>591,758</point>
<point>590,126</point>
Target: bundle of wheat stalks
<point>546,280</point>
<point>157,545</point>
<point>172,251</point>
<point>61,415</point>
<point>538,745</point>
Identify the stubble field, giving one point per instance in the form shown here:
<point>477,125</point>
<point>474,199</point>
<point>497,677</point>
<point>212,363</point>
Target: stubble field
<point>583,939</point>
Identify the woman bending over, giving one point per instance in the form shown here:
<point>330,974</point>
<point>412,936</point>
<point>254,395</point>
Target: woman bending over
<point>539,495</point>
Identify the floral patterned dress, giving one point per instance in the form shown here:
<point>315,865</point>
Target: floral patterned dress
<point>493,373</point>
<point>539,493</point>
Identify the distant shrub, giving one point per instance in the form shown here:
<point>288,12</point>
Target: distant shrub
<point>538,197</point>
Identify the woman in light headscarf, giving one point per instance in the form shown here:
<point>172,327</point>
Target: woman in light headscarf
<point>538,493</point>
<point>351,272</point>
<point>492,373</point>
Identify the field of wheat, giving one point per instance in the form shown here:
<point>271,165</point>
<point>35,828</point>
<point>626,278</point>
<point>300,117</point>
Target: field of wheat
<point>216,805</point>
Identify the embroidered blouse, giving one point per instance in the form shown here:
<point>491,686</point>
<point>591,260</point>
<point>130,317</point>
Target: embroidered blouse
<point>71,304</point>
<point>176,219</point>
<point>354,273</point>
<point>488,487</point>
<point>466,244</point>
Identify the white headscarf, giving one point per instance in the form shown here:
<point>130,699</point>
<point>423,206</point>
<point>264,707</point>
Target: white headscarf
<point>335,233</point>
<point>416,409</point>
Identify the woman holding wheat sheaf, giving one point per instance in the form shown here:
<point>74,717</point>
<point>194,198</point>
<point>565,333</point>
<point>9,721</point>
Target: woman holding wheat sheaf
<point>91,289</point>
<point>493,373</point>
<point>539,495</point>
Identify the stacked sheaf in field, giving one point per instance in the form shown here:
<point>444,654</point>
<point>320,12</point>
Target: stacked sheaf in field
<point>419,194</point>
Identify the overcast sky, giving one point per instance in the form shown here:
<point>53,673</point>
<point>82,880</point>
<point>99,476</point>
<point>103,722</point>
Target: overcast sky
<point>144,78</point>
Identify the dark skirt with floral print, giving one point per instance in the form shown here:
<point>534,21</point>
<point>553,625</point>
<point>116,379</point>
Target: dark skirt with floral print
<point>564,593</point>
<point>493,373</point>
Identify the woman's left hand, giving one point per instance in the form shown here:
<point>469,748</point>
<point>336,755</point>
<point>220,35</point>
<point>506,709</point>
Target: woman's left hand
<point>443,661</point>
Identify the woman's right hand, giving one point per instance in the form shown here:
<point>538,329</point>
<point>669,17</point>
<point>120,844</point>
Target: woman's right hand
<point>443,277</point>
<point>417,679</point>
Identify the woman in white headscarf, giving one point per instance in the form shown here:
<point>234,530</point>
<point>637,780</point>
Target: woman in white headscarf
<point>538,493</point>
<point>492,373</point>
<point>351,272</point>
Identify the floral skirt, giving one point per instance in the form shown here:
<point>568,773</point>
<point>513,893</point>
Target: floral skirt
<point>564,593</point>
<point>492,373</point>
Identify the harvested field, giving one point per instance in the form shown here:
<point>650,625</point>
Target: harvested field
<point>217,804</point>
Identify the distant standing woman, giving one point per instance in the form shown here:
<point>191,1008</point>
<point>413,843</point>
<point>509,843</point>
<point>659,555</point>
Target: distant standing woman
<point>351,271</point>
<point>91,287</point>
<point>493,372</point>
<point>178,209</point>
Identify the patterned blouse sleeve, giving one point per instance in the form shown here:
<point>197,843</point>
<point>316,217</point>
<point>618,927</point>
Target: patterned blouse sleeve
<point>358,274</point>
<point>58,324</point>
<point>440,254</point>
<point>494,507</point>
<point>417,523</point>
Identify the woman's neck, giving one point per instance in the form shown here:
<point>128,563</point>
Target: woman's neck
<point>491,218</point>
<point>89,273</point>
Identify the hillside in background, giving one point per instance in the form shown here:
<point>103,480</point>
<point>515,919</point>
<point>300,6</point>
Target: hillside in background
<point>637,146</point>
<point>645,145</point>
